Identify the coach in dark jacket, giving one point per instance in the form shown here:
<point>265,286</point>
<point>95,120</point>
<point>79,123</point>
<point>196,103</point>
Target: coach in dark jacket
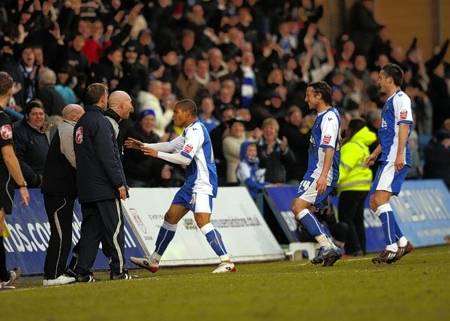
<point>59,187</point>
<point>101,185</point>
<point>32,142</point>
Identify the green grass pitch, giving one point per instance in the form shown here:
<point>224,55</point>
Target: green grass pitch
<point>416,288</point>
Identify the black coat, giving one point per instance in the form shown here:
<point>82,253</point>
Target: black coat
<point>99,169</point>
<point>51,99</point>
<point>31,148</point>
<point>137,165</point>
<point>275,163</point>
<point>298,144</point>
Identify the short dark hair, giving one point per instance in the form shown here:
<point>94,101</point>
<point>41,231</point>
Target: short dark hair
<point>395,72</point>
<point>6,83</point>
<point>321,87</point>
<point>187,105</point>
<point>33,103</point>
<point>94,92</point>
<point>355,125</point>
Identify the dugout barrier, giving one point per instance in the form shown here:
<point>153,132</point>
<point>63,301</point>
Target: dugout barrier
<point>422,210</point>
<point>244,230</point>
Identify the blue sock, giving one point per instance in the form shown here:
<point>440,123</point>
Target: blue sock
<point>165,235</point>
<point>310,222</point>
<point>398,231</point>
<point>388,223</point>
<point>215,241</point>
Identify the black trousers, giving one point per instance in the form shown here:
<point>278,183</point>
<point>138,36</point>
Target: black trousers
<point>351,211</point>
<point>102,222</point>
<point>60,215</point>
<point>4,274</point>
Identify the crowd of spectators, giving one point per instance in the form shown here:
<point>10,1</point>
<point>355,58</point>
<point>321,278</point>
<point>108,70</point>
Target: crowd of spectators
<point>245,63</point>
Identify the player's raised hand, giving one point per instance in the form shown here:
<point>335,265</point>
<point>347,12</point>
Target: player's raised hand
<point>321,185</point>
<point>133,143</point>
<point>148,151</point>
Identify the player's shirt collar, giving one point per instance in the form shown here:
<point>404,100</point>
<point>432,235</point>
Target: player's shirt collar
<point>323,112</point>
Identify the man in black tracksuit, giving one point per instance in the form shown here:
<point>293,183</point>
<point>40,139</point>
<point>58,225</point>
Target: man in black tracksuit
<point>59,187</point>
<point>101,187</point>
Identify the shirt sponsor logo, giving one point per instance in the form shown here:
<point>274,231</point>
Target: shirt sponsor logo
<point>6,132</point>
<point>326,139</point>
<point>79,135</point>
<point>188,148</point>
<point>403,114</point>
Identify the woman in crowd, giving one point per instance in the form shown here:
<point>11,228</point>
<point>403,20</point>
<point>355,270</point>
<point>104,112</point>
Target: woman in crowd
<point>231,148</point>
<point>274,154</point>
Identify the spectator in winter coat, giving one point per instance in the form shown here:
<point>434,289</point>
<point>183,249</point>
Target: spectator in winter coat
<point>232,147</point>
<point>151,99</point>
<point>51,99</point>
<point>248,171</point>
<point>273,153</point>
<point>140,170</point>
<point>32,143</point>
<point>437,155</point>
<point>206,115</point>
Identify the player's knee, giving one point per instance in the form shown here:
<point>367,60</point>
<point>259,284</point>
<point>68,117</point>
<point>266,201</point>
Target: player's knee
<point>170,218</point>
<point>297,206</point>
<point>202,219</point>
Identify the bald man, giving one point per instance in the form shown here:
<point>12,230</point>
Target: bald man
<point>120,107</point>
<point>60,190</point>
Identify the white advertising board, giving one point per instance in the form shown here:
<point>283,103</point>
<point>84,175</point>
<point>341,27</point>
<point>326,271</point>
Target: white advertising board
<point>244,231</point>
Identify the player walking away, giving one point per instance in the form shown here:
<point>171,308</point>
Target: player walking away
<point>194,150</point>
<point>323,170</point>
<point>394,161</point>
<point>9,167</point>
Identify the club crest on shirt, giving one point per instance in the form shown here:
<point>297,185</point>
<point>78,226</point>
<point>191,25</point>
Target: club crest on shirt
<point>326,139</point>
<point>188,148</point>
<point>6,132</point>
<point>403,114</point>
<point>79,135</point>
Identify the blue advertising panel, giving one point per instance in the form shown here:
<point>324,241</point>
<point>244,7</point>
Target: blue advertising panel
<point>422,210</point>
<point>30,231</point>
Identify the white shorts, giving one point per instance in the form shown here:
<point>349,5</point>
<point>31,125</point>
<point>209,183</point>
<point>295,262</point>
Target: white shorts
<point>196,202</point>
<point>307,191</point>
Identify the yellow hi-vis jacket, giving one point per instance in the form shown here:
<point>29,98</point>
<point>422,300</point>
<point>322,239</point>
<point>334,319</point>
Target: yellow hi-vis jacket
<point>353,175</point>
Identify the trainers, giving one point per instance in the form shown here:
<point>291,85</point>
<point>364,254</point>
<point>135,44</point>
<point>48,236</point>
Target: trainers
<point>327,255</point>
<point>14,274</point>
<point>145,263</point>
<point>385,256</point>
<point>318,259</point>
<point>60,280</point>
<point>331,255</point>
<point>88,278</point>
<point>225,267</point>
<point>3,286</point>
<point>122,276</point>
<point>404,250</point>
